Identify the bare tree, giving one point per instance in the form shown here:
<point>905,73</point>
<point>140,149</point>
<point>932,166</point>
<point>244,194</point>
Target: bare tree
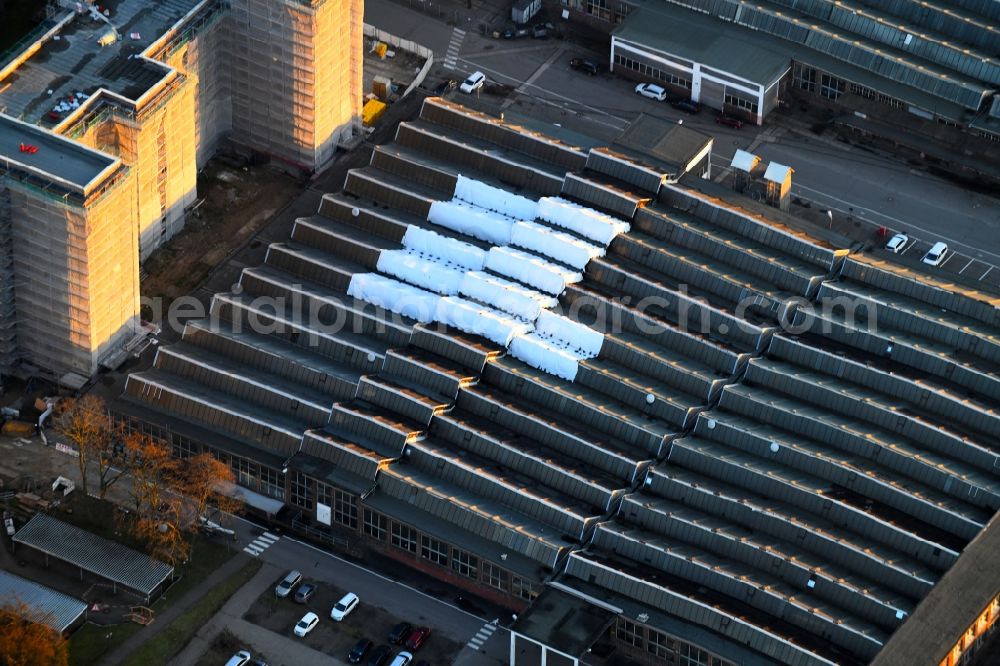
<point>87,424</point>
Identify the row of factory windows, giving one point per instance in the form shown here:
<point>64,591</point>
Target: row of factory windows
<point>652,72</point>
<point>606,10</point>
<point>831,87</point>
<point>661,648</point>
<point>344,511</point>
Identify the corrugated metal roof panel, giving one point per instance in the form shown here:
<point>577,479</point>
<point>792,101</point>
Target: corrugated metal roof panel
<point>43,605</point>
<point>107,559</point>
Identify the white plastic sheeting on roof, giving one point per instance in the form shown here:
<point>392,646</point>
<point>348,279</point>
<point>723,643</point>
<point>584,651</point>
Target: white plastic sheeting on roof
<point>420,270</point>
<point>495,199</point>
<point>587,222</point>
<point>530,270</point>
<point>542,354</point>
<point>507,296</point>
<point>473,318</point>
<point>452,250</point>
<point>582,339</point>
<point>560,246</point>
<point>503,311</point>
<point>471,221</point>
<point>394,296</point>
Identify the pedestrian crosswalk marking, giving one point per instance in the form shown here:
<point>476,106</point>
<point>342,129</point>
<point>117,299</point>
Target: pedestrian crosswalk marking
<point>483,635</point>
<point>260,544</point>
<point>454,46</point>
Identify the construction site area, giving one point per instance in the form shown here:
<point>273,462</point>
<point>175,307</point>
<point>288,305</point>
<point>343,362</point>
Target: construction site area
<point>591,383</point>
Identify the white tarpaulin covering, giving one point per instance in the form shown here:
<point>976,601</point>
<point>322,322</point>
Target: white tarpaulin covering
<point>587,222</point>
<point>453,250</point>
<point>394,296</point>
<point>530,270</point>
<point>503,311</point>
<point>471,221</point>
<point>583,340</point>
<point>560,246</point>
<point>496,199</point>
<point>506,296</point>
<point>542,354</point>
<point>422,271</point>
<point>474,318</point>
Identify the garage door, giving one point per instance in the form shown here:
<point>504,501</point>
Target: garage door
<point>712,94</point>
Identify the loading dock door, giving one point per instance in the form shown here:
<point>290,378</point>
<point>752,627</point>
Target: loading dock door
<point>713,94</point>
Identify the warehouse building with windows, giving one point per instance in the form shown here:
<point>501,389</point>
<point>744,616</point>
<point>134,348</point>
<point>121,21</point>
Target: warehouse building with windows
<point>937,61</point>
<point>593,384</point>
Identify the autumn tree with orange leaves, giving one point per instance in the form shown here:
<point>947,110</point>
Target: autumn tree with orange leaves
<point>169,496</point>
<point>24,643</point>
<point>87,424</point>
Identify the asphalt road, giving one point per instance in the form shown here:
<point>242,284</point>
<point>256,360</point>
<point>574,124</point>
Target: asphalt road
<point>834,175</point>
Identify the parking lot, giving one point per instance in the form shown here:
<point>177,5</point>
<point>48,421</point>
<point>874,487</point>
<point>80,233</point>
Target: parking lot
<point>337,638</point>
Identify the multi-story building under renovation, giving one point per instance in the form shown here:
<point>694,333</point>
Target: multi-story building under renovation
<point>152,87</point>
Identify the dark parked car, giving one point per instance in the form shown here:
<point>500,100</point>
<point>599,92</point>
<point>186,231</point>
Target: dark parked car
<point>729,121</point>
<point>542,30</point>
<point>380,655</point>
<point>305,593</point>
<point>585,65</point>
<point>359,651</point>
<point>515,33</point>
<point>417,638</point>
<point>400,632</point>
<point>687,106</point>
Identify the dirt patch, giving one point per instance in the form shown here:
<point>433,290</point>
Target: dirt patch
<point>224,646</point>
<point>337,638</point>
<point>234,203</point>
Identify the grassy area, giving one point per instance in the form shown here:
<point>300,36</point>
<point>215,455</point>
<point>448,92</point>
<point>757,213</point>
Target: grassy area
<point>224,646</point>
<point>164,646</point>
<point>92,641</point>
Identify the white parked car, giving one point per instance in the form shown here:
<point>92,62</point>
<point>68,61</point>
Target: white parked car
<point>896,243</point>
<point>343,608</point>
<point>241,658</point>
<point>306,624</point>
<point>935,255</point>
<point>402,659</point>
<point>473,83</point>
<point>651,91</point>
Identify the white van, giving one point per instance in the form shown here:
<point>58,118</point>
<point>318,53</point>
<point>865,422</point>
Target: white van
<point>935,255</point>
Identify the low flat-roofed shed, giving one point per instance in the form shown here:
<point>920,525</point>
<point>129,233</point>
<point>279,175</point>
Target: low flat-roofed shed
<point>101,557</point>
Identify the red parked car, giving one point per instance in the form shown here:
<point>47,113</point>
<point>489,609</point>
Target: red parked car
<point>417,638</point>
<point>731,122</point>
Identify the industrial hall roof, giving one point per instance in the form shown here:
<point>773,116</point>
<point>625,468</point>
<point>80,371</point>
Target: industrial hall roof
<point>42,604</point>
<point>702,39</point>
<point>108,559</point>
<point>559,361</point>
<point>938,60</point>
